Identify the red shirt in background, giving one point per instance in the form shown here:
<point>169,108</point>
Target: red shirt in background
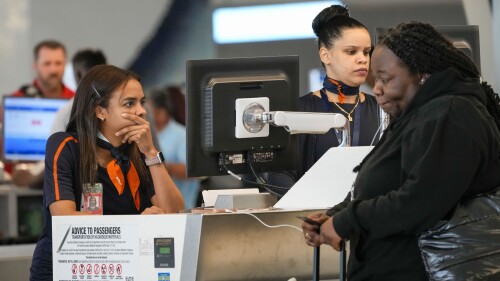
<point>66,93</point>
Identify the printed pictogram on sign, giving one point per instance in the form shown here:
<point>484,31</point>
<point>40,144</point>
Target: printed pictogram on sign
<point>74,268</point>
<point>103,269</point>
<point>82,268</point>
<point>89,268</point>
<point>111,269</point>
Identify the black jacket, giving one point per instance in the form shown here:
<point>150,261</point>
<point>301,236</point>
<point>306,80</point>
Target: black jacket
<point>444,147</point>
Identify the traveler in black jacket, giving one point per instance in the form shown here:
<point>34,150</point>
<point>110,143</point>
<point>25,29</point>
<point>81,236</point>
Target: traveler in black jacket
<point>443,145</point>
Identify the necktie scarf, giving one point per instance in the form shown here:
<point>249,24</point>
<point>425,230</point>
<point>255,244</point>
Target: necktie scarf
<point>120,166</point>
<point>337,87</point>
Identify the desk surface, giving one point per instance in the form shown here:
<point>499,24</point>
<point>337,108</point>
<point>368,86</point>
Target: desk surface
<point>6,189</point>
<point>14,252</point>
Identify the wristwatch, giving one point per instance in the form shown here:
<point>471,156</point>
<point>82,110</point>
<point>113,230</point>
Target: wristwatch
<point>158,159</point>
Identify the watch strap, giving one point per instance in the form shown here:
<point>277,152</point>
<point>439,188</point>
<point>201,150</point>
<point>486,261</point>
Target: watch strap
<point>158,159</point>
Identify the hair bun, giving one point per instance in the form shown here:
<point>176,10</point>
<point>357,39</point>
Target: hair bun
<point>326,15</point>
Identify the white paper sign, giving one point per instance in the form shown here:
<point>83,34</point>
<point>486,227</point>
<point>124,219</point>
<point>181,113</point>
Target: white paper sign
<point>328,181</point>
<point>96,252</point>
<point>118,247</point>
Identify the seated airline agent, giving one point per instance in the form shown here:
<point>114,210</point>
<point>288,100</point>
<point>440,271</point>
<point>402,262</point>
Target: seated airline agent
<point>108,141</point>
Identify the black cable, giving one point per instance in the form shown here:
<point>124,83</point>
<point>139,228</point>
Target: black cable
<point>257,177</point>
<point>264,185</point>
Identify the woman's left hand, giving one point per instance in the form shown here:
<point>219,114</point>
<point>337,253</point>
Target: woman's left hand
<point>153,210</point>
<point>140,133</point>
<point>329,236</point>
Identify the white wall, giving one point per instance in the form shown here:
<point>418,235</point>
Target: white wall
<point>15,50</point>
<point>479,13</point>
<point>118,27</point>
<point>496,42</point>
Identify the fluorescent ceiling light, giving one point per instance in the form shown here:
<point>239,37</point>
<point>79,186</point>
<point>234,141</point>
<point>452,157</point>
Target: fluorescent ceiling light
<point>266,22</point>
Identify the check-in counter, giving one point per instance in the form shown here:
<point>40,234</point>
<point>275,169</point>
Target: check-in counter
<point>201,246</point>
<point>15,261</point>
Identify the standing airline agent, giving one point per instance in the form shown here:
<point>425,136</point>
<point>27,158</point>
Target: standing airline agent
<point>108,141</point>
<point>344,47</point>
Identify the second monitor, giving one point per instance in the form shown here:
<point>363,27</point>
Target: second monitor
<point>27,123</point>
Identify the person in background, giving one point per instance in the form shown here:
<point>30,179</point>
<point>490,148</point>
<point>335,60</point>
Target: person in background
<point>48,64</point>
<point>442,146</point>
<point>178,99</point>
<point>344,46</point>
<point>83,61</point>
<point>108,142</point>
<point>172,140</point>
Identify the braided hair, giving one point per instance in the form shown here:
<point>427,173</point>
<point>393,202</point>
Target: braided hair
<point>329,24</point>
<point>424,51</point>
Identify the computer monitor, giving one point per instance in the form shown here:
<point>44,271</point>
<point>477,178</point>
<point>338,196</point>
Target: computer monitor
<point>27,122</point>
<point>464,37</point>
<point>214,87</point>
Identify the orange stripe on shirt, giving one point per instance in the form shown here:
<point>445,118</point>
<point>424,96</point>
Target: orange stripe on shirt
<point>56,157</point>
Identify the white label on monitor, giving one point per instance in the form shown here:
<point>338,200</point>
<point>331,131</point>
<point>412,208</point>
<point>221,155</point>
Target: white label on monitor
<point>236,159</point>
<point>241,130</point>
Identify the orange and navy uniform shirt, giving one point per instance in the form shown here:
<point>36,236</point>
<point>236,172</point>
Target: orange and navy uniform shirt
<point>62,179</point>
<point>62,182</point>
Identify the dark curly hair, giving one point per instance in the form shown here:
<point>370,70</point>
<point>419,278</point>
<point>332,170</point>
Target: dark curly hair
<point>424,51</point>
